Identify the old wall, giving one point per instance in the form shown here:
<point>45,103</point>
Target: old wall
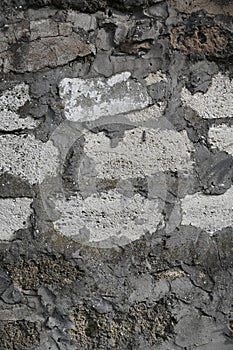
<point>116,172</point>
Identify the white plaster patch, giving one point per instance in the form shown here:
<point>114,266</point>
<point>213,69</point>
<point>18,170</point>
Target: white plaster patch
<point>106,215</point>
<point>210,213</point>
<point>14,215</point>
<point>142,152</point>
<point>221,136</point>
<point>28,158</point>
<point>10,101</point>
<point>90,99</point>
<point>217,102</point>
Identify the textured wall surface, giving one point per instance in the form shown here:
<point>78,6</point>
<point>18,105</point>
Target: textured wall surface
<point>116,175</point>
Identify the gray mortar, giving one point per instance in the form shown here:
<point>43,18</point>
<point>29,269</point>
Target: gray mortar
<point>116,219</point>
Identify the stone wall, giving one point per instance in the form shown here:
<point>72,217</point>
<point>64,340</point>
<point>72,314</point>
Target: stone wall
<point>116,199</point>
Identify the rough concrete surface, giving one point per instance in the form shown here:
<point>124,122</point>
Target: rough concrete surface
<point>116,175</point>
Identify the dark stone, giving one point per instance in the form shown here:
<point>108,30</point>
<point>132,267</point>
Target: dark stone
<point>215,170</point>
<point>5,281</point>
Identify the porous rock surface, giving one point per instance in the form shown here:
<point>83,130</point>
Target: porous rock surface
<point>116,175</point>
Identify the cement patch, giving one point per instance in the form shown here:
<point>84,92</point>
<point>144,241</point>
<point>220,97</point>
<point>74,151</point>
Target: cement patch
<point>14,215</point>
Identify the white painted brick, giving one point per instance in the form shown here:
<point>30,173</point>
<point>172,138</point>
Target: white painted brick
<point>217,102</point>
<point>14,215</point>
<point>28,158</point>
<point>210,213</point>
<point>90,99</point>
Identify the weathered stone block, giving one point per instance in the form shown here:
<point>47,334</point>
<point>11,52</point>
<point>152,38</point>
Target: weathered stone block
<point>10,101</point>
<point>217,102</point>
<point>211,213</point>
<point>28,158</point>
<point>90,99</point>
<point>142,152</point>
